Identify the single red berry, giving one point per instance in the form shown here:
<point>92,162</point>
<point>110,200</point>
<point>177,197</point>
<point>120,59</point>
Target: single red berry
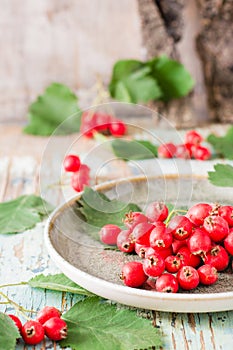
<point>16,321</point>
<point>173,263</point>
<point>157,211</point>
<point>216,227</point>
<point>180,227</point>
<point>160,238</point>
<point>188,258</point>
<point>124,243</point>
<point>188,277</point>
<point>166,150</point>
<point>133,274</point>
<point>109,233</point>
<point>117,128</point>
<point>71,163</point>
<point>133,218</point>
<point>163,252</point>
<point>80,178</point>
<point>141,244</point>
<point>153,265</point>
<point>193,137</point>
<point>101,121</point>
<point>32,332</point>
<point>176,245</point>
<point>201,153</point>
<point>217,257</point>
<point>199,243</point>
<point>46,313</point>
<point>167,283</point>
<point>208,274</point>
<point>198,213</point>
<point>183,151</point>
<point>140,230</point>
<point>226,212</point>
<point>228,242</point>
<point>55,328</point>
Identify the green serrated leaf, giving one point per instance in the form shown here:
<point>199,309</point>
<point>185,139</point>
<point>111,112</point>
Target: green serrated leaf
<point>8,334</point>
<point>222,176</point>
<point>99,210</point>
<point>56,111</point>
<point>131,82</point>
<point>99,325</point>
<point>172,77</point>
<point>134,150</point>
<point>223,146</point>
<point>58,282</point>
<point>22,213</point>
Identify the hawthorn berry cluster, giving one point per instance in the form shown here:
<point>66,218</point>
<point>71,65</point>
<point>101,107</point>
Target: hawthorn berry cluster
<point>101,122</point>
<point>181,253</point>
<point>47,323</point>
<point>80,172</point>
<point>191,148</point>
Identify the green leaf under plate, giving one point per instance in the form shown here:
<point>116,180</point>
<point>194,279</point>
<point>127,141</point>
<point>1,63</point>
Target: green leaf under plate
<point>222,176</point>
<point>98,325</point>
<point>54,111</point>
<point>22,213</point>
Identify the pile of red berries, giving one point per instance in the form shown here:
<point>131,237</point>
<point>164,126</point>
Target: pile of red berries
<point>80,172</point>
<point>191,148</point>
<point>101,122</point>
<point>47,323</point>
<point>183,252</point>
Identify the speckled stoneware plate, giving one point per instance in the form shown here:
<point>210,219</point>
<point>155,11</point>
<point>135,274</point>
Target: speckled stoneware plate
<point>86,261</point>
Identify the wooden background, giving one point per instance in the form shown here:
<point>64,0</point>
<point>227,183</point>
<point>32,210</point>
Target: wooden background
<point>71,41</point>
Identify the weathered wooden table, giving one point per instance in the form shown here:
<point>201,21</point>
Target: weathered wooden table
<point>24,255</point>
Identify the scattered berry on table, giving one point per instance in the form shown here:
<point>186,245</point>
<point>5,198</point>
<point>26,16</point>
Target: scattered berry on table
<point>55,328</point>
<point>71,163</point>
<point>16,321</point>
<point>32,332</point>
<point>46,313</point>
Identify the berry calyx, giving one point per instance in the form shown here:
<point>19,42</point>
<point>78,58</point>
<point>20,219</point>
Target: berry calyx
<point>180,227</point>
<point>160,237</point>
<point>134,218</point>
<point>173,263</point>
<point>199,243</point>
<point>153,265</point>
<point>71,163</point>
<point>16,321</point>
<point>218,258</point>
<point>133,274</point>
<point>32,332</point>
<point>124,242</point>
<point>216,227</point>
<point>55,328</point>
<point>167,283</point>
<point>46,313</point>
<point>188,277</point>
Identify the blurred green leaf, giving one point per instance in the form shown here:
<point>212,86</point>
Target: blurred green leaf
<point>223,146</point>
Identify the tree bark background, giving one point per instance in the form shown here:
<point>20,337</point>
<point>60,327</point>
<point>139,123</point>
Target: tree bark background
<point>166,29</point>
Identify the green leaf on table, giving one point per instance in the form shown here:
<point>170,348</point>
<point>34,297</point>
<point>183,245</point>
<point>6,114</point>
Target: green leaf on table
<point>58,282</point>
<point>222,176</point>
<point>223,146</point>
<point>98,210</point>
<point>54,111</point>
<point>97,325</point>
<point>131,82</point>
<point>8,334</point>
<point>172,77</point>
<point>134,150</point>
<point>158,79</point>
<point>22,213</point>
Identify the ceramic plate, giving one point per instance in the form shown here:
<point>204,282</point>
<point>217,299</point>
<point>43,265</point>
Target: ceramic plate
<point>85,260</point>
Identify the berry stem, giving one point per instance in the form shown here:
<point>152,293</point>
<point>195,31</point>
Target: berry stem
<point>174,211</point>
<point>20,309</point>
<point>13,284</point>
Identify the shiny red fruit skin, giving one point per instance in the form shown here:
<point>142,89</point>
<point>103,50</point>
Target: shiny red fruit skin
<point>201,153</point>
<point>166,150</point>
<point>167,283</point>
<point>133,274</point>
<point>176,245</point>
<point>160,238</point>
<point>140,230</point>
<point>217,257</point>
<point>71,163</point>
<point>124,243</point>
<point>109,233</point>
<point>199,242</point>
<point>55,328</point>
<point>216,227</point>
<point>117,128</point>
<point>157,211</point>
<point>226,212</point>
<point>16,321</point>
<point>32,332</point>
<point>180,227</point>
<point>81,178</point>
<point>46,313</point>
<point>188,258</point>
<point>153,265</point>
<point>188,277</point>
<point>198,212</point>
<point>208,274</point>
<point>228,242</point>
<point>193,137</point>
<point>173,263</point>
<point>134,218</point>
<point>183,151</point>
